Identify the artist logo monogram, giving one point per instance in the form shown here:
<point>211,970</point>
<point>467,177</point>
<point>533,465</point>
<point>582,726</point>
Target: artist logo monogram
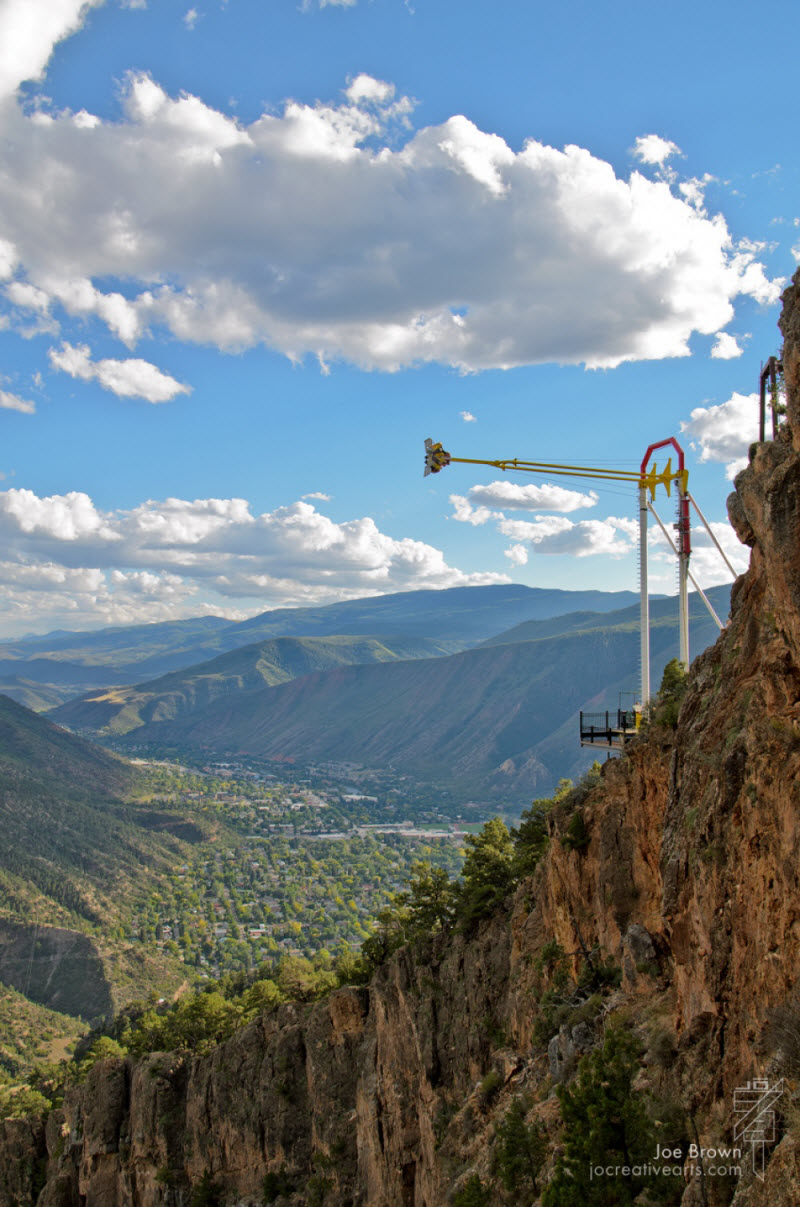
<point>755,1117</point>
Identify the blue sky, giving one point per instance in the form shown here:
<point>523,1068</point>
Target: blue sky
<point>252,253</point>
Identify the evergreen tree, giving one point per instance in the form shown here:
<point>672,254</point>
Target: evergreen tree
<point>428,904</point>
<point>530,838</point>
<point>520,1153</point>
<point>605,1124</point>
<point>488,874</point>
<point>473,1194</point>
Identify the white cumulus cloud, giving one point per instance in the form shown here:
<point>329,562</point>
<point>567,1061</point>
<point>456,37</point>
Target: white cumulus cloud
<point>29,30</point>
<point>726,347</point>
<point>28,297</point>
<point>365,88</point>
<point>8,259</point>
<point>317,232</point>
<point>556,535</point>
<point>653,149</point>
<point>465,513</point>
<point>725,432</point>
<point>543,534</point>
<point>132,378</point>
<point>517,555</point>
<point>12,402</point>
<point>201,554</point>
<point>67,517</point>
<point>514,496</point>
<point>706,563</point>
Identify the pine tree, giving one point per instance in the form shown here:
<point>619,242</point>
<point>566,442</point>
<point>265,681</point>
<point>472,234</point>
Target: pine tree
<point>488,874</point>
<point>606,1125</point>
<point>473,1194</point>
<point>428,903</point>
<point>531,838</point>
<point>520,1153</point>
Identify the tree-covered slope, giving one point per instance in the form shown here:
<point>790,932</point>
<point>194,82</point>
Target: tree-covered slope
<point>77,847</point>
<point>475,720</point>
<point>119,710</point>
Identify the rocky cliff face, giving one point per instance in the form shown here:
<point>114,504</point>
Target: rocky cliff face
<point>387,1096</point>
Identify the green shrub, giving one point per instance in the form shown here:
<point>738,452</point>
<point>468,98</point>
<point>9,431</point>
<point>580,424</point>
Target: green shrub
<point>207,1192</point>
<point>552,962</point>
<point>576,837</point>
<point>276,1185</point>
<point>196,1022</point>
<point>103,1048</point>
<point>670,695</point>
<point>554,1011</point>
<point>587,1012</point>
<point>599,974</point>
<point>473,1194</point>
<point>23,1103</point>
<point>490,1087</point>
<point>607,1123</point>
<point>353,968</point>
<point>520,1152</point>
<point>299,981</point>
<point>317,1188</point>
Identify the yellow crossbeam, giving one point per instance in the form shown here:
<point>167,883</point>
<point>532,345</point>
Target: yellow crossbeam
<point>546,467</point>
<point>437,458</point>
<point>651,480</point>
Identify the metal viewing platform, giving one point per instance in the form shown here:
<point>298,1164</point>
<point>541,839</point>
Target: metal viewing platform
<point>609,729</point>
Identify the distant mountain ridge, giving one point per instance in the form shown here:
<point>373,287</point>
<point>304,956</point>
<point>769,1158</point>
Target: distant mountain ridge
<point>483,719</point>
<point>119,710</point>
<point>70,664</point>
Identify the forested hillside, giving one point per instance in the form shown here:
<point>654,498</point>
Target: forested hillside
<point>81,843</point>
<point>494,723</point>
<point>279,660</point>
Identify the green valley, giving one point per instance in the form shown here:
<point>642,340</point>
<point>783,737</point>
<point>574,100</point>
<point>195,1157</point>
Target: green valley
<point>122,880</point>
<point>497,722</point>
<point>118,710</point>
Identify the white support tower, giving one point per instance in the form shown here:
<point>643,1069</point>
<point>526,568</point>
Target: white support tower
<point>644,604</point>
<point>437,458</point>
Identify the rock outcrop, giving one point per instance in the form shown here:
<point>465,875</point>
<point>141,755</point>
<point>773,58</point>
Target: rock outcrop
<point>688,880</point>
<point>59,968</point>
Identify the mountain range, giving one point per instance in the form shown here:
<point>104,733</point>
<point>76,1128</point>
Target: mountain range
<point>496,720</point>
<point>44,671</point>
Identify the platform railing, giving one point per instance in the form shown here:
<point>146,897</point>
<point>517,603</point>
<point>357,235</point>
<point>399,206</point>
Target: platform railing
<point>611,727</point>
